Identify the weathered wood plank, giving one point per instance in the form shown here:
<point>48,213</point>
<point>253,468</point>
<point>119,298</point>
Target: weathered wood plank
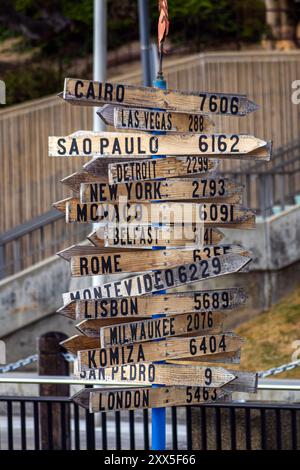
<point>102,262</point>
<point>147,236</point>
<point>146,306</point>
<point>210,214</point>
<point>162,279</point>
<point>89,143</point>
<point>97,400</point>
<point>145,169</point>
<point>161,328</point>
<point>172,167</point>
<point>94,93</point>
<point>151,120</point>
<point>200,189</point>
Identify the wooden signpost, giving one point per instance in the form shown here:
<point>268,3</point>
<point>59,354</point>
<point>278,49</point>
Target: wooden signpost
<point>210,214</point>
<point>144,170</point>
<point>146,306</point>
<point>90,144</point>
<point>172,167</point>
<point>148,236</point>
<point>199,189</point>
<point>91,93</point>
<point>130,261</point>
<point>97,400</point>
<point>150,120</point>
<point>155,374</point>
<point>159,221</point>
<point>158,280</point>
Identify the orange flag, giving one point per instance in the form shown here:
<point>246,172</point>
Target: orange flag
<point>163,23</point>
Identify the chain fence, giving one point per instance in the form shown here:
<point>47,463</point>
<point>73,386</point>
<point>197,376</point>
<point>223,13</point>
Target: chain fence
<point>71,358</point>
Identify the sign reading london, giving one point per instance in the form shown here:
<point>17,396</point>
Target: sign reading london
<point>93,93</point>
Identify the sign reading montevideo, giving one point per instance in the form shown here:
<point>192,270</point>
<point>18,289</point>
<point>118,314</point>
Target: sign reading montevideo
<point>94,93</point>
<point>161,279</point>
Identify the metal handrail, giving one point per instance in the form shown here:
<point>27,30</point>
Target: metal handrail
<point>65,380</point>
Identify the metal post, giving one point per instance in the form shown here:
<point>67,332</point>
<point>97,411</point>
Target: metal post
<point>145,41</point>
<point>99,68</point>
<point>159,414</point>
<point>100,52</point>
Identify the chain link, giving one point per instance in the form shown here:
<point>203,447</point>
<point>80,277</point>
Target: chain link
<point>20,363</point>
<point>279,369</point>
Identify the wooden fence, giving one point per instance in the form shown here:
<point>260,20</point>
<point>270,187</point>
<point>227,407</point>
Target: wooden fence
<point>29,178</point>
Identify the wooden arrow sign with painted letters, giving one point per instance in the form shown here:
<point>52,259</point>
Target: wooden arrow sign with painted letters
<point>86,92</point>
<point>171,167</point>
<point>160,328</point>
<point>152,120</point>
<point>155,374</point>
<point>148,236</point>
<point>155,281</point>
<point>99,400</point>
<point>142,170</point>
<point>211,214</point>
<point>146,306</point>
<point>138,261</point>
<point>203,348</point>
<point>90,144</point>
<point>199,189</point>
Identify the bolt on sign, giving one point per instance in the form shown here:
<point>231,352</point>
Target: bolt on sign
<point>178,204</point>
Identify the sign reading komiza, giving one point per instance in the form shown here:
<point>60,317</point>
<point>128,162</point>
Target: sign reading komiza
<point>176,204</point>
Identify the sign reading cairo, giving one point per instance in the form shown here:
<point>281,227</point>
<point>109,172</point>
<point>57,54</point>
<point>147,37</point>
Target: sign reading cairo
<point>147,236</point>
<point>161,279</point>
<point>89,144</point>
<point>97,400</point>
<point>213,188</point>
<point>205,302</point>
<point>151,120</point>
<point>94,93</point>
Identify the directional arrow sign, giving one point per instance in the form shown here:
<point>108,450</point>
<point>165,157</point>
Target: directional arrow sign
<point>150,120</point>
<point>93,93</point>
<point>147,236</point>
<point>199,189</point>
<point>79,342</point>
<point>204,348</point>
<point>146,306</point>
<point>171,167</point>
<point>140,170</point>
<point>92,327</point>
<point>103,263</point>
<point>89,144</point>
<point>162,279</point>
<point>168,374</point>
<point>161,328</point>
<point>212,214</point>
<point>97,400</point>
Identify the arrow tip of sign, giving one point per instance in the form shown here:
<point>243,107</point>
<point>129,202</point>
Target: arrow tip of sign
<point>60,95</point>
<point>251,106</point>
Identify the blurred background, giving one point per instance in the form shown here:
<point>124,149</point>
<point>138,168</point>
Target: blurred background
<point>236,46</point>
